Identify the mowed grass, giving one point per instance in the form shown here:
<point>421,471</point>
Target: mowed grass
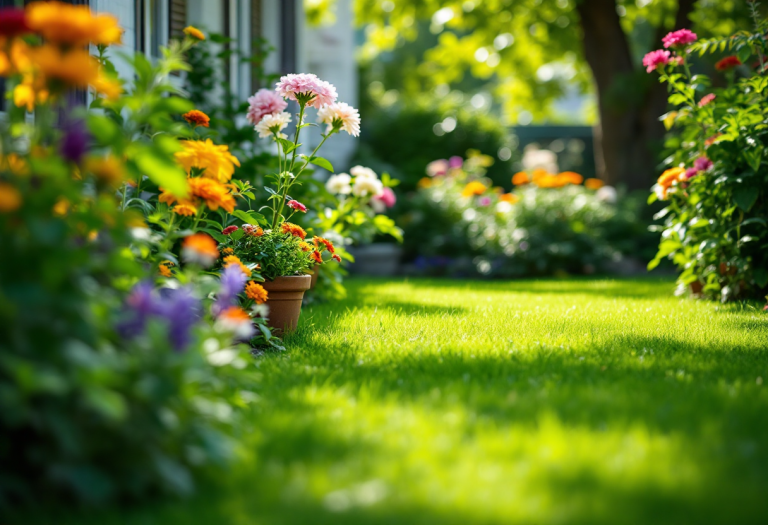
<point>455,402</point>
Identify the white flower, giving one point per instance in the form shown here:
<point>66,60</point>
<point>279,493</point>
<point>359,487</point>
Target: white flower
<point>341,116</point>
<point>366,185</point>
<point>503,207</point>
<point>272,124</point>
<point>534,158</point>
<point>339,184</point>
<point>607,194</point>
<point>362,171</point>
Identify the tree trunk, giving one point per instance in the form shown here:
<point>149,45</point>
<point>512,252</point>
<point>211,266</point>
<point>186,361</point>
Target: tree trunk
<point>629,135</point>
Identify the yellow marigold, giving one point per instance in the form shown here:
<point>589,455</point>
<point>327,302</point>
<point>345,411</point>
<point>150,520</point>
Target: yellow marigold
<point>256,292</point>
<point>61,208</point>
<point>571,177</point>
<point>424,182</point>
<point>293,229</point>
<point>540,173</point>
<point>194,32</point>
<point>185,209</point>
<point>593,184</point>
<point>217,161</point>
<point>228,251</point>
<point>548,180</point>
<point>669,176</point>
<point>14,163</point>
<point>110,88</point>
<point>10,198</point>
<point>73,25</point>
<point>305,247</point>
<point>164,270</point>
<point>509,197</point>
<point>473,188</point>
<point>520,178</point>
<point>74,68</point>
<point>24,96</point>
<point>107,169</point>
<point>197,118</point>
<point>214,194</point>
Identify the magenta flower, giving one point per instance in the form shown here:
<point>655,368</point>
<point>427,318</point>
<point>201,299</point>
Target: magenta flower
<point>229,229</point>
<point>296,205</point>
<point>690,173</point>
<point>264,102</point>
<point>654,59</point>
<point>485,201</point>
<point>702,164</point>
<point>387,197</point>
<point>318,93</point>
<point>706,99</point>
<point>456,162</point>
<point>681,37</point>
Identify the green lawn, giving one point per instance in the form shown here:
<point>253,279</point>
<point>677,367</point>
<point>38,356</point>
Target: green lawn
<point>455,402</point>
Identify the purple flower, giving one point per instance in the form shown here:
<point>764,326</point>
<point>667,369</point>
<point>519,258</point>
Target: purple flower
<point>702,164</point>
<point>142,303</point>
<point>76,141</point>
<point>455,162</point>
<point>232,283</point>
<point>181,309</point>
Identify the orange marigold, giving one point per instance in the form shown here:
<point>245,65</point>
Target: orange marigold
<point>164,270</point>
<point>197,118</point>
<point>185,209</point>
<point>571,177</point>
<point>509,197</point>
<point>228,251</point>
<point>213,193</point>
<point>473,188</point>
<point>305,247</point>
<point>256,292</point>
<point>318,258</point>
<point>325,242</point>
<point>294,229</point>
<point>520,178</point>
<point>200,248</point>
<point>218,163</point>
<point>73,25</point>
<point>669,176</point>
<point>10,198</point>
<point>593,184</point>
<point>194,32</point>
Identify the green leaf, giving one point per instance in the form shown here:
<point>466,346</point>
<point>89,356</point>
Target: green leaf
<point>761,276</point>
<point>162,170</point>
<point>745,197</point>
<point>744,52</point>
<point>250,217</point>
<point>237,235</point>
<point>321,162</point>
<point>103,128</point>
<point>216,234</point>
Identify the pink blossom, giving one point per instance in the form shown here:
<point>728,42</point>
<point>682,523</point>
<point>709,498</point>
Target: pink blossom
<point>437,168</point>
<point>485,201</point>
<point>229,229</point>
<point>296,205</point>
<point>322,93</point>
<point>387,197</point>
<point>455,162</point>
<point>264,102</point>
<point>681,37</point>
<point>702,164</point>
<point>690,173</point>
<point>655,59</point>
<point>706,99</point>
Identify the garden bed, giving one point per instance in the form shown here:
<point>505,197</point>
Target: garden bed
<point>557,401</point>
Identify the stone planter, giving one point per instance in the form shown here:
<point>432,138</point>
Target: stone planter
<point>284,301</point>
<point>378,259</point>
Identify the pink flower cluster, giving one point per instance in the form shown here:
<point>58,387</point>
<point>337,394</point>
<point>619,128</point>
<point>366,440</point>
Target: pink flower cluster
<point>706,99</point>
<point>654,59</point>
<point>264,102</point>
<point>296,205</point>
<point>699,165</point>
<point>321,92</point>
<point>681,37</point>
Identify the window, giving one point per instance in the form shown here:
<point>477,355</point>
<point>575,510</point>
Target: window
<point>152,25</point>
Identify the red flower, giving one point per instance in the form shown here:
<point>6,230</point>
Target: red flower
<point>13,22</point>
<point>706,99</point>
<point>728,63</point>
<point>296,205</point>
<point>336,257</point>
<point>317,257</point>
<point>229,229</point>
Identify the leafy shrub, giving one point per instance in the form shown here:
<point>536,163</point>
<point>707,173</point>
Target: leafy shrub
<point>715,228</point>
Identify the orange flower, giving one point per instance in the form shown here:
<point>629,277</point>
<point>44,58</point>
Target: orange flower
<point>107,169</point>
<point>110,88</point>
<point>164,270</point>
<point>669,176</point>
<point>200,248</point>
<point>473,188</point>
<point>75,68</point>
<point>185,209</point>
<point>214,194</point>
<point>540,173</point>
<point>194,32</point>
<point>14,163</point>
<point>547,180</point>
<point>593,184</point>
<point>509,197</point>
<point>424,182</point>
<point>520,178</point>
<point>197,118</point>
<point>10,198</point>
<point>236,314</point>
<point>228,251</point>
<point>61,208</point>
<point>571,177</point>
<point>325,242</point>
<point>256,292</point>
<point>711,140</point>
<point>293,229</point>
<point>317,257</point>
<point>218,163</point>
<point>72,25</point>
<point>305,247</point>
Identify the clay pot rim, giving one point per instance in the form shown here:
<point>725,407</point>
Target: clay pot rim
<point>289,283</point>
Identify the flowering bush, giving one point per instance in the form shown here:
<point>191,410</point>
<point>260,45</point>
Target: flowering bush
<point>715,188</point>
<point>550,224</point>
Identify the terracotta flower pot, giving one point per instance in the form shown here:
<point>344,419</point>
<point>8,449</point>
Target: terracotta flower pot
<point>284,301</point>
<point>315,273</point>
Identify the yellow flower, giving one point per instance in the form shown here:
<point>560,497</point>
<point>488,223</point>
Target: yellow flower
<point>15,164</point>
<point>228,251</point>
<point>473,188</point>
<point>108,169</point>
<point>256,292</point>
<point>194,32</point>
<point>61,207</point>
<point>24,96</point>
<point>593,184</point>
<point>185,209</point>
<point>424,182</point>
<point>10,198</point>
<point>72,25</point>
<point>570,177</point>
<point>218,163</point>
<point>111,89</point>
